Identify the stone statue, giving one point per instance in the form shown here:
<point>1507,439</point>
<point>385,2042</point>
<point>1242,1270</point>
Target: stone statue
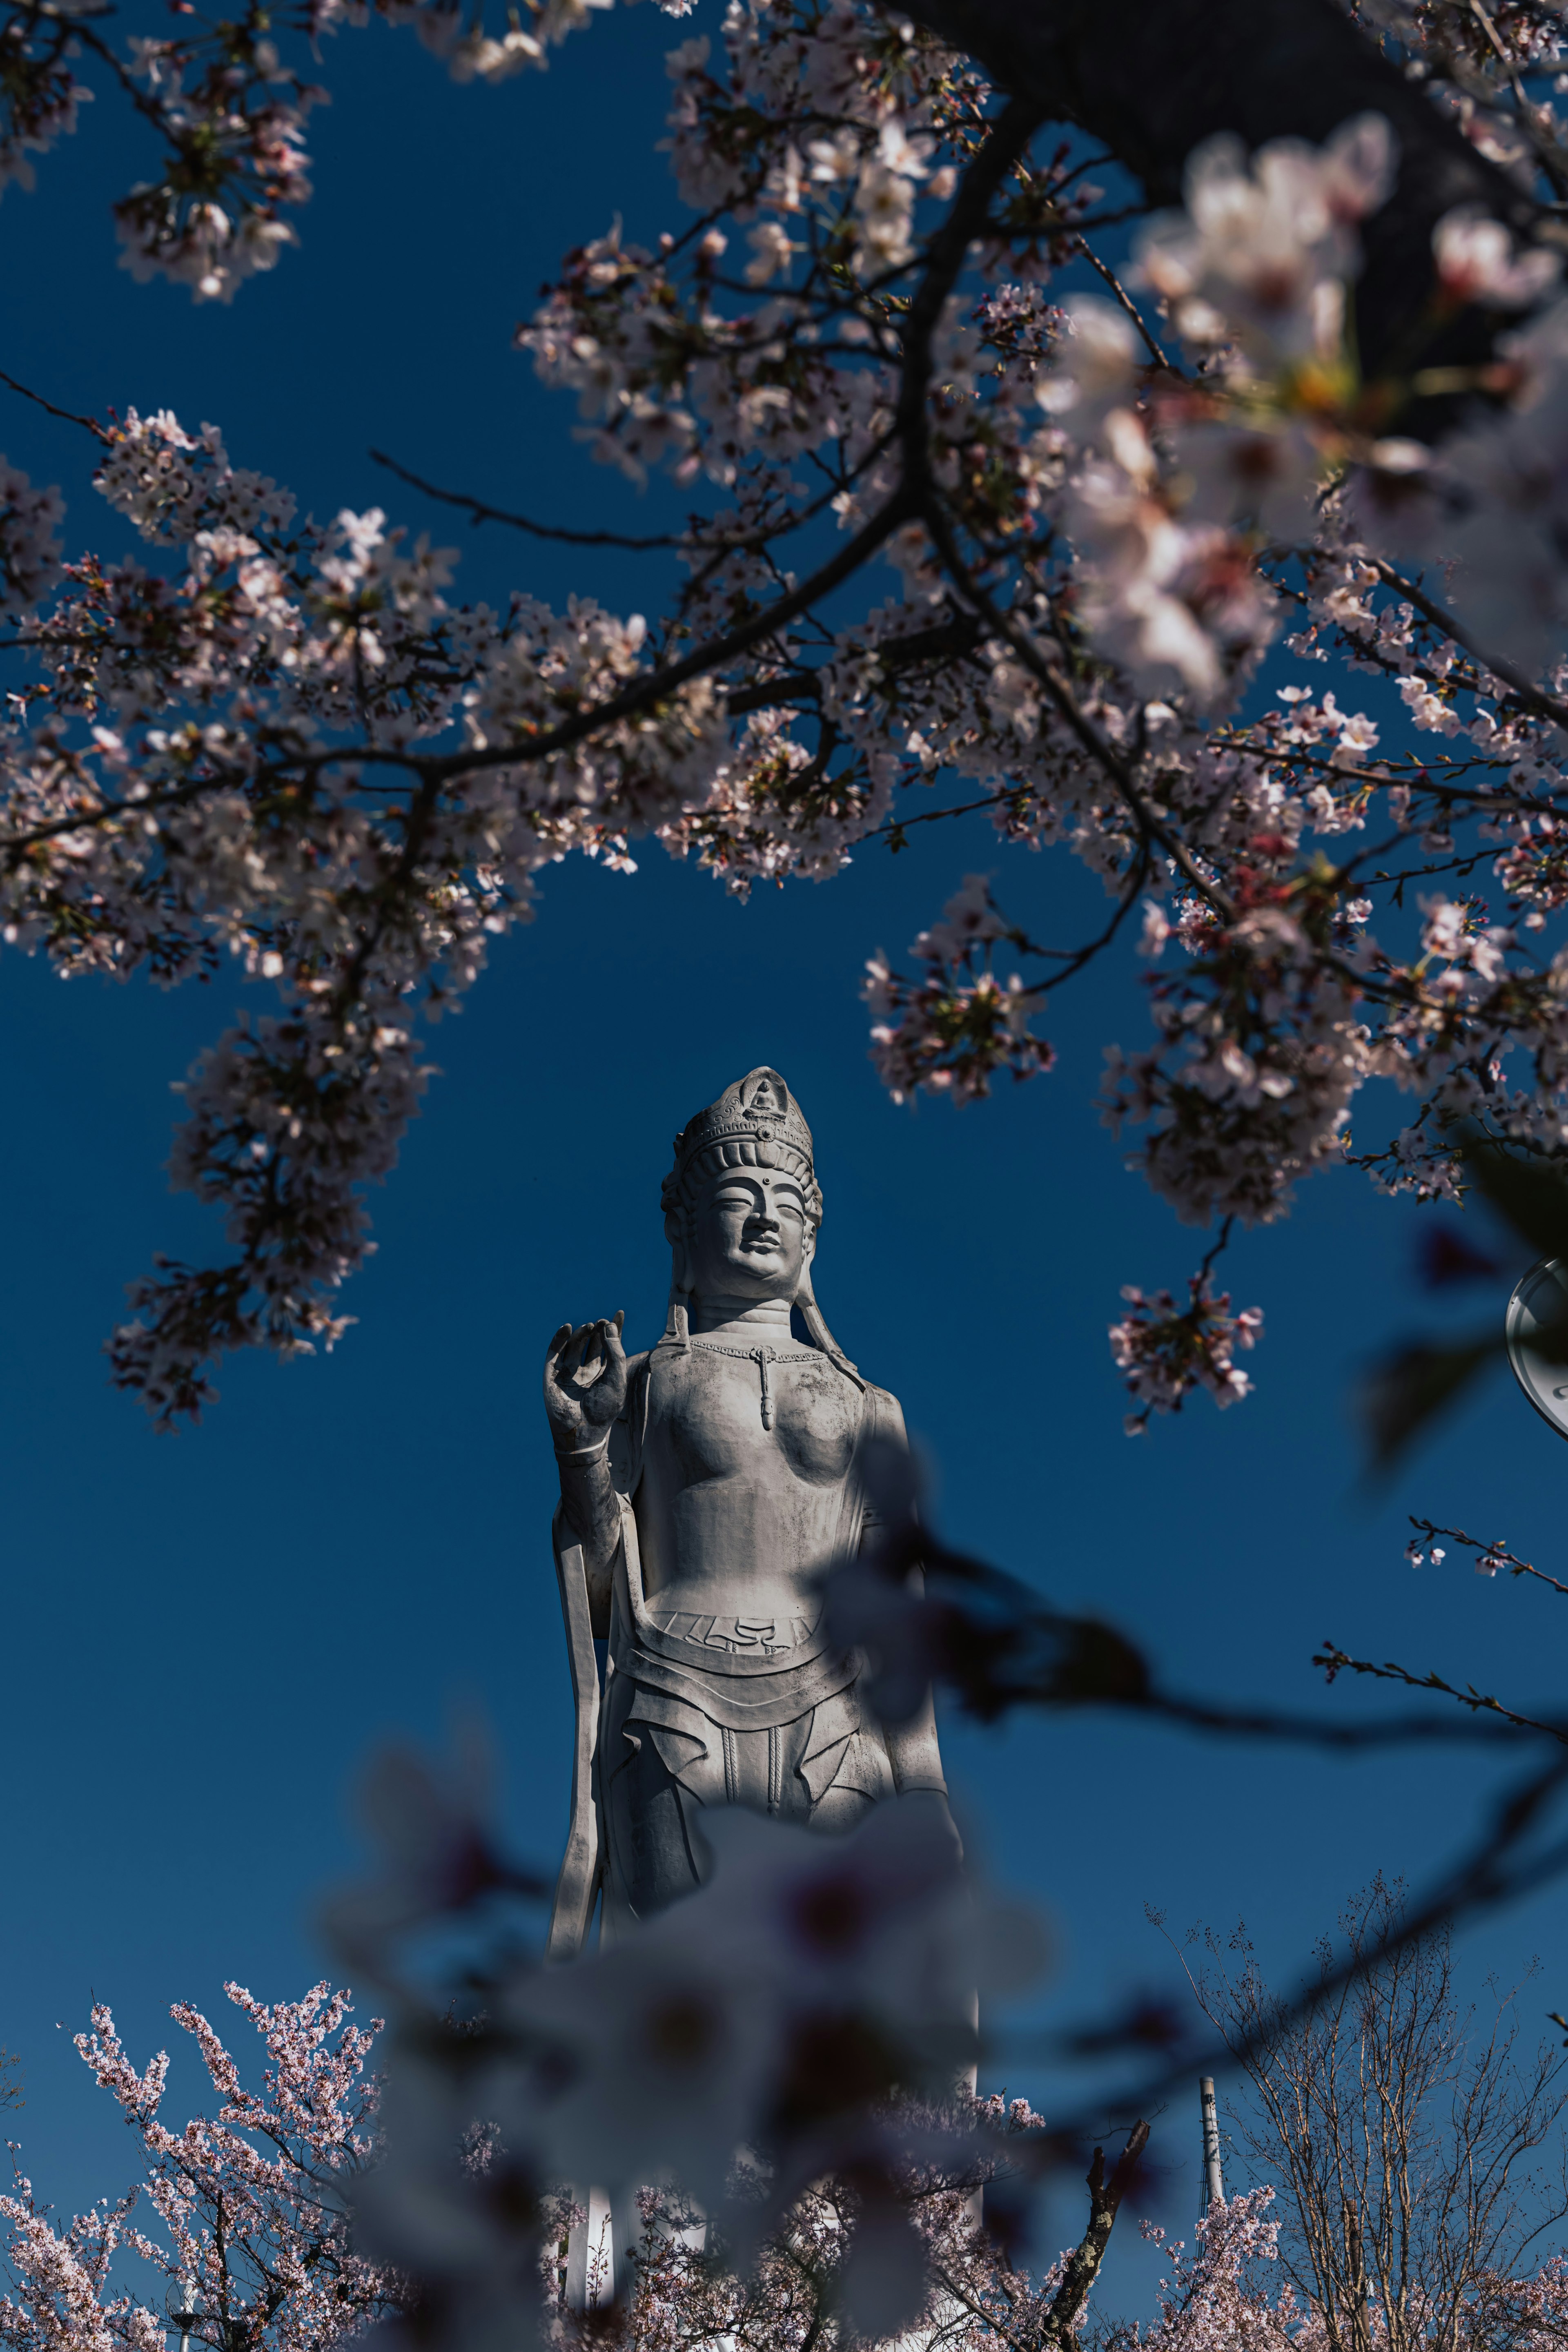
<point>703,1486</point>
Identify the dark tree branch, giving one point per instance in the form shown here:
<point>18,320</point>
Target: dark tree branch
<point>1105,2195</point>
<point>479,510</point>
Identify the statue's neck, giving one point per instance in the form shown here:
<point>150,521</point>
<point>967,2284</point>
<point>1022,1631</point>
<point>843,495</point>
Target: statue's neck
<point>766,1318</point>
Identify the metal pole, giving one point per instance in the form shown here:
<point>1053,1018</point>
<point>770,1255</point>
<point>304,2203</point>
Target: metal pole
<point>1213,2178</point>
<point>184,2318</point>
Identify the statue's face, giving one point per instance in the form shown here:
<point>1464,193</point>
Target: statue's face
<point>749,1236</point>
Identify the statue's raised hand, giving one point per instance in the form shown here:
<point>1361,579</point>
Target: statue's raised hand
<point>585,1382</point>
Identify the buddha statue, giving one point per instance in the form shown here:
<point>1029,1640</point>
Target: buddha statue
<point>705,1486</point>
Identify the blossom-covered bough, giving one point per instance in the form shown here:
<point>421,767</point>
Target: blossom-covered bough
<point>241,2219</point>
<point>1322,408</point>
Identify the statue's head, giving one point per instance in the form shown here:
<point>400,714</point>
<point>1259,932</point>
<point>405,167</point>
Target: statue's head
<point>742,1204</point>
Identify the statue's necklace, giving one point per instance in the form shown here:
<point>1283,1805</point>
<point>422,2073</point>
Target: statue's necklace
<point>761,1357</point>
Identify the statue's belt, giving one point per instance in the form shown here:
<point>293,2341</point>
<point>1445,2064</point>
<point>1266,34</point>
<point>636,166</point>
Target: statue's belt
<point>738,1693</point>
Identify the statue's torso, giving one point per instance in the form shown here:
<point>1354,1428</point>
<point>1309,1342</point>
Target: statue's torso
<point>734,1518</point>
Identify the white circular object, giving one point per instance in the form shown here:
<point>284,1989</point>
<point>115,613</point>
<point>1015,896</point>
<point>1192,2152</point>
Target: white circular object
<point>1540,1296</point>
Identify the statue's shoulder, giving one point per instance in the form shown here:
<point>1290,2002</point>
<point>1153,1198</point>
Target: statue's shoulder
<point>883,1411</point>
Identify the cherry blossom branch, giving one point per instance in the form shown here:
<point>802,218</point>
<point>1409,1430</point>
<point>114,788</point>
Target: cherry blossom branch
<point>1009,137</point>
<point>658,685</point>
<point>1073,959</point>
<point>1546,705</point>
<point>719,542</point>
<point>1493,1555</point>
<point>995,1644</point>
<point>1114,767</point>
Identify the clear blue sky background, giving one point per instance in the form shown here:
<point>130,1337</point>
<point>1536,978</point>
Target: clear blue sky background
<point>206,1636</point>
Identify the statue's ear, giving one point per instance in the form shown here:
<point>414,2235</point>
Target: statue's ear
<point>675,1227</point>
<point>809,1246</point>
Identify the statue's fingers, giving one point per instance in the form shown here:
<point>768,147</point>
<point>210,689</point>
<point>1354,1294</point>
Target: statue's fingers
<point>612,1330</point>
<point>567,1350</point>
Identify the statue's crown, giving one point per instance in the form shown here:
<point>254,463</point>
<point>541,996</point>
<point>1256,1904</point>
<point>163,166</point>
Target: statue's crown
<point>758,1109</point>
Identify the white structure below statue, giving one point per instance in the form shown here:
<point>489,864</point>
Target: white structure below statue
<point>597,2269</point>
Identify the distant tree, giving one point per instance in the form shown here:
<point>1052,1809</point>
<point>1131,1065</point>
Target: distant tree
<point>1416,2148</point>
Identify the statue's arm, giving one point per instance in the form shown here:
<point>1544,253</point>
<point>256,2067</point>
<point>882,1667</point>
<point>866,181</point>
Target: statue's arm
<point>591,1506</point>
<point>912,1747</point>
<point>586,1386</point>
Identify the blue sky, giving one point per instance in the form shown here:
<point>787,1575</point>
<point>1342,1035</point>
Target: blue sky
<point>209,1634</point>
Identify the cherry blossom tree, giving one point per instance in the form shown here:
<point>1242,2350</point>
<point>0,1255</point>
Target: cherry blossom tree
<point>241,2219</point>
<point>838,2274</point>
<point>1140,361</point>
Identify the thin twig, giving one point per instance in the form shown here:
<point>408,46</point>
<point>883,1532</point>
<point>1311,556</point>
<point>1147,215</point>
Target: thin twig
<point>66,415</point>
<point>1338,1661</point>
<point>480,510</point>
<point>1496,1551</point>
<point>1128,303</point>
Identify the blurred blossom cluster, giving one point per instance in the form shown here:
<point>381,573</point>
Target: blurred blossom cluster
<point>785,2051</point>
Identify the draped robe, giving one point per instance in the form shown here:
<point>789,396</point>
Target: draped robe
<point>678,1711</point>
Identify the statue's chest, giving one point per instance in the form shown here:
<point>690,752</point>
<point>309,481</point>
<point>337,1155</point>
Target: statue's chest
<point>721,1415</point>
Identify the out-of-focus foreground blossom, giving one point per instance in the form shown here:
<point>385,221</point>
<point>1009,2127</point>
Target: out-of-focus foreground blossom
<point>808,2013</point>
